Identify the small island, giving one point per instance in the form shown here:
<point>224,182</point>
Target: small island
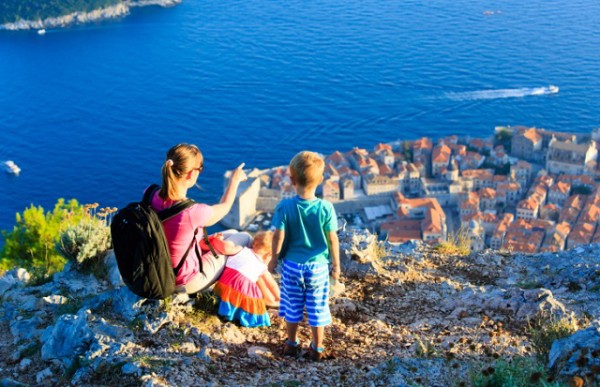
<point>42,14</point>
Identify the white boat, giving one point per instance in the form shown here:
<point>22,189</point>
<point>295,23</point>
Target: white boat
<point>41,31</point>
<point>552,89</point>
<point>11,167</point>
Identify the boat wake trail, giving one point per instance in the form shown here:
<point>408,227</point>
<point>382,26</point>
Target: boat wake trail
<point>502,93</point>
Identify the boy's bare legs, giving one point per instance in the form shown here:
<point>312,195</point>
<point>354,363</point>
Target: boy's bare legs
<point>292,331</point>
<point>318,334</point>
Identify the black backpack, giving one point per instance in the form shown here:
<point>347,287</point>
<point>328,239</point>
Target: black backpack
<point>141,248</point>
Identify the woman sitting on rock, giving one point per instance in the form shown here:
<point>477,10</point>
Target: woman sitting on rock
<point>180,171</point>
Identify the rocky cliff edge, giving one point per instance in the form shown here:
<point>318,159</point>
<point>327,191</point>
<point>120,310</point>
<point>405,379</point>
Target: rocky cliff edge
<point>409,316</point>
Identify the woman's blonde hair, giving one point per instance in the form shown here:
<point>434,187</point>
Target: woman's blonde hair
<point>181,159</point>
<point>307,168</point>
<point>262,242</point>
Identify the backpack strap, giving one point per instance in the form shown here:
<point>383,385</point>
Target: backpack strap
<point>149,193</point>
<point>194,243</point>
<point>169,213</point>
<point>212,250</point>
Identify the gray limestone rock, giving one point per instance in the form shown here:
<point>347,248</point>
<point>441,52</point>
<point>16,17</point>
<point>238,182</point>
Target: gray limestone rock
<point>26,329</point>
<point>134,368</point>
<point>82,376</point>
<point>114,276</point>
<point>204,355</point>
<point>231,334</point>
<point>358,254</point>
<point>540,302</point>
<point>55,300</point>
<point>69,337</point>
<point>153,323</point>
<point>256,351</point>
<point>13,278</point>
<point>126,304</point>
<point>76,283</point>
<point>578,353</point>
<point>24,364</point>
<point>8,382</point>
<point>42,377</point>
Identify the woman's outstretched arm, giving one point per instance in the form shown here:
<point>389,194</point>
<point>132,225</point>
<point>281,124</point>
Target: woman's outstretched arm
<point>224,206</point>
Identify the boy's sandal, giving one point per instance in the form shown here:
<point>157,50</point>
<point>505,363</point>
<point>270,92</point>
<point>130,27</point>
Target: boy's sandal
<point>291,349</point>
<point>318,354</point>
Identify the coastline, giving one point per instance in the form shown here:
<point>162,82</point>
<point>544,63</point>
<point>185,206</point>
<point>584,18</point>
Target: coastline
<point>111,12</point>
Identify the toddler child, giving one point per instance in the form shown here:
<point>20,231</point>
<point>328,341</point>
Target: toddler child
<point>306,239</point>
<point>246,287</point>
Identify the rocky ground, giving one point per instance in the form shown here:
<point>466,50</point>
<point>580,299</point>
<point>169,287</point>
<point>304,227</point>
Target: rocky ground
<point>409,316</point>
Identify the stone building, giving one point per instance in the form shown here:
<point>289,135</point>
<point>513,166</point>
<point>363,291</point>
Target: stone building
<point>527,144</point>
<point>570,158</point>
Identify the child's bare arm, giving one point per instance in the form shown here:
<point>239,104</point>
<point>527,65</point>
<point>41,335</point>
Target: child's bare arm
<point>276,247</point>
<point>334,254</point>
<point>269,288</point>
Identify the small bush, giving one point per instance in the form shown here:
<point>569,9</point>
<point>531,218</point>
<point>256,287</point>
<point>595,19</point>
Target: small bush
<point>544,332</point>
<point>457,244</point>
<point>520,372</point>
<point>85,243</point>
<point>425,349</point>
<point>31,243</point>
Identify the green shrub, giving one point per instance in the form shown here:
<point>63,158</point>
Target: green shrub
<point>31,243</point>
<point>545,331</point>
<point>85,243</point>
<point>520,372</point>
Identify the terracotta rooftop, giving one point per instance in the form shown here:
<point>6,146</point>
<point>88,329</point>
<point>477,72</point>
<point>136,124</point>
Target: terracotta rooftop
<point>423,143</point>
<point>441,154</point>
<point>582,233</point>
<point>562,187</point>
<point>487,193</point>
<point>532,135</point>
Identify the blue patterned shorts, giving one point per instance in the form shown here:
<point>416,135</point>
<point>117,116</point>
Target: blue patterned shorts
<point>305,285</point>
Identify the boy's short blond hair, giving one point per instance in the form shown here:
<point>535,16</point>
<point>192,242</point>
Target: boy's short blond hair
<point>307,169</point>
<point>261,244</point>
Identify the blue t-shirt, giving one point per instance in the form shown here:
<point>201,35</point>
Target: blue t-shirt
<point>306,224</point>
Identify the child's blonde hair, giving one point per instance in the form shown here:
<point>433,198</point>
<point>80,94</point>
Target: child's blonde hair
<point>181,159</point>
<point>262,242</point>
<point>307,169</point>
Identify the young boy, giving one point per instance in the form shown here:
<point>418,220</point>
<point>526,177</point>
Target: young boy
<point>308,227</point>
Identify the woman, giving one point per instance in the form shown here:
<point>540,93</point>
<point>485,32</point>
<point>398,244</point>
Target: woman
<point>180,171</point>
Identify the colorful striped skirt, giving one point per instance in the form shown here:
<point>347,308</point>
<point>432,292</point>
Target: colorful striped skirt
<point>241,300</point>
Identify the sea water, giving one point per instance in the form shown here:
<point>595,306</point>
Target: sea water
<point>89,111</point>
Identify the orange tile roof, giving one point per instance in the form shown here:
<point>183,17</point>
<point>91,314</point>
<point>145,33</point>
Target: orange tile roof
<point>402,230</point>
<point>590,213</point>
<point>487,193</point>
<point>481,174</point>
<point>441,154</point>
<point>383,147</point>
<point>582,233</point>
<point>532,135</point>
<point>384,169</point>
<point>528,204</point>
<point>508,187</point>
<point>337,158</point>
<point>575,201</point>
<point>488,217</point>
<point>562,187</point>
<point>423,143</point>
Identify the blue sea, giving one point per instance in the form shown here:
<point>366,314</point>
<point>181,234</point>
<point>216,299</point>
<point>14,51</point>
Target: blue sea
<point>89,111</point>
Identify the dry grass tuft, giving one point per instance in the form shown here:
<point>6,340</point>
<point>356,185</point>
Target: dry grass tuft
<point>457,244</point>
